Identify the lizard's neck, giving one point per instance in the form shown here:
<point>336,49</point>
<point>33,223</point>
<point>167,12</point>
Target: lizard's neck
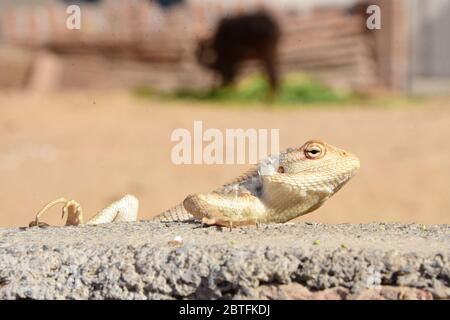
<point>287,199</point>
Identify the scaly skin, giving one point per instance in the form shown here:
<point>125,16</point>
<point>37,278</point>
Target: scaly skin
<point>280,188</point>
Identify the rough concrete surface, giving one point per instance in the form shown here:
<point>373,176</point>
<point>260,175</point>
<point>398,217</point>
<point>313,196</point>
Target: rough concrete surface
<point>290,261</point>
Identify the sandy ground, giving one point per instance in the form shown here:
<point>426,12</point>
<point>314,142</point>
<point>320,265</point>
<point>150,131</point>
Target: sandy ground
<point>293,260</point>
<point>94,147</point>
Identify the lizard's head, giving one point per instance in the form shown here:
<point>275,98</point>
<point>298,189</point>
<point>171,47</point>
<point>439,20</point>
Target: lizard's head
<point>316,165</point>
<point>321,159</point>
<point>300,180</point>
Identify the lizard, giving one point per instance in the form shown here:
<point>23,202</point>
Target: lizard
<point>276,190</point>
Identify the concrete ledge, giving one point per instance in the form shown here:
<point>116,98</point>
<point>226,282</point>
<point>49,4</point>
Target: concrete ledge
<point>290,261</point>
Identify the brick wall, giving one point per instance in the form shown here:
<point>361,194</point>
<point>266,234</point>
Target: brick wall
<point>118,37</point>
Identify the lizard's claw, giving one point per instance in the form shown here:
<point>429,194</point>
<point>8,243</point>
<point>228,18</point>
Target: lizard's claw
<point>38,224</point>
<point>74,213</point>
<point>208,221</point>
<point>64,211</point>
<point>71,208</point>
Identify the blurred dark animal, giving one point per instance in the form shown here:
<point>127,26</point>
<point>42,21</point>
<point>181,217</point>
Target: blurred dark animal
<point>168,3</point>
<point>252,36</point>
<point>359,8</point>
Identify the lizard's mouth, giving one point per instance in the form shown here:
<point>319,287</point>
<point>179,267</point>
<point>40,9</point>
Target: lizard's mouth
<point>355,165</point>
<point>347,170</point>
<point>338,173</point>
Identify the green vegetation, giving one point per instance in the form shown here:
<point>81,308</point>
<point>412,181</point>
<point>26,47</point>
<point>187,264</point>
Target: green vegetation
<point>294,89</point>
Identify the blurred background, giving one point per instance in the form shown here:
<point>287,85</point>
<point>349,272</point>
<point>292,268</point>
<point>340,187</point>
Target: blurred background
<point>87,114</point>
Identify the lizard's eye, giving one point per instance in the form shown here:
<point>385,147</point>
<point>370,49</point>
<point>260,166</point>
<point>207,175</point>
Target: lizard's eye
<point>280,169</point>
<point>314,150</point>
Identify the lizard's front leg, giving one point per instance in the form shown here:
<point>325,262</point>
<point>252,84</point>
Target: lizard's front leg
<point>225,210</point>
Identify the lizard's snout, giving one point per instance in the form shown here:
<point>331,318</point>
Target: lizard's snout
<point>347,164</point>
<point>353,162</point>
